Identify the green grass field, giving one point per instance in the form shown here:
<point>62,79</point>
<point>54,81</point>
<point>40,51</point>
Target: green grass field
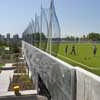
<point>84,56</point>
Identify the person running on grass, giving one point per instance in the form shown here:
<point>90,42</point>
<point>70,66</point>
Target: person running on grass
<point>73,50</point>
<point>66,50</point>
<point>94,50</point>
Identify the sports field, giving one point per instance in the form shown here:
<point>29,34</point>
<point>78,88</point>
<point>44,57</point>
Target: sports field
<point>84,56</point>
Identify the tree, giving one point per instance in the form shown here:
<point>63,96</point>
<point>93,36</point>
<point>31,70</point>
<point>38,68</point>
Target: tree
<point>94,36</point>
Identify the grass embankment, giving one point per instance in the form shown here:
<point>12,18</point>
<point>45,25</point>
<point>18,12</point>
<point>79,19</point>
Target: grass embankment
<point>84,56</point>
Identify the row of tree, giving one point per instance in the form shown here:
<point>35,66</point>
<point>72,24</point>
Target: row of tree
<point>91,36</point>
<point>94,36</point>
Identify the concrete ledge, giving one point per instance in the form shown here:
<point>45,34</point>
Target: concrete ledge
<point>26,92</point>
<point>8,68</point>
<point>87,73</point>
<point>88,85</point>
<point>25,97</point>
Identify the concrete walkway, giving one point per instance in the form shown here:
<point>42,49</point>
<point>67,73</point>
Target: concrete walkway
<point>5,77</point>
<point>25,92</point>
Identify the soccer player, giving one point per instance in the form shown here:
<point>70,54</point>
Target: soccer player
<point>94,50</point>
<point>66,50</point>
<point>73,50</point>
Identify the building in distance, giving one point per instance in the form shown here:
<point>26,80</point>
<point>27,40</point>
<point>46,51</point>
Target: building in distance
<point>8,36</point>
<point>16,37</point>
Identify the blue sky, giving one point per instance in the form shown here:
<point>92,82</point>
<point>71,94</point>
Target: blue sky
<point>74,15</point>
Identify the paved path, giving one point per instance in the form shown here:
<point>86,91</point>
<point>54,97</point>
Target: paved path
<point>25,92</point>
<point>5,77</point>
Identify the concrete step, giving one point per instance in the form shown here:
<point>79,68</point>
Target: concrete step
<point>24,97</point>
<point>25,92</point>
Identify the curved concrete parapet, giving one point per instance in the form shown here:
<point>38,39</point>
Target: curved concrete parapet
<point>58,76</point>
<point>88,85</point>
<point>63,81</point>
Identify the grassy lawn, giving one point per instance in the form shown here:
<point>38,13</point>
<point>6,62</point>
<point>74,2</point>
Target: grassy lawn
<point>84,56</point>
<point>1,65</point>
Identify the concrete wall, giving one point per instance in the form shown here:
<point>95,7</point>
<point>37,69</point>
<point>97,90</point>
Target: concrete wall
<point>63,81</point>
<point>88,85</point>
<point>57,75</point>
<point>27,97</point>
